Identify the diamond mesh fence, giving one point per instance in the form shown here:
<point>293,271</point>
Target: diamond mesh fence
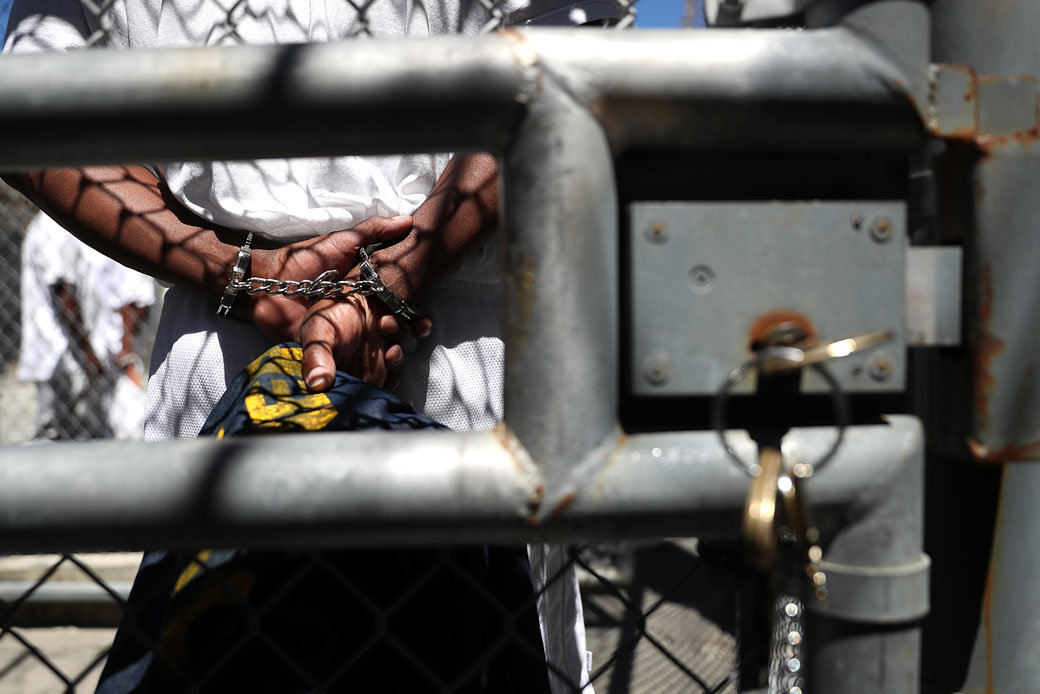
<point>431,619</point>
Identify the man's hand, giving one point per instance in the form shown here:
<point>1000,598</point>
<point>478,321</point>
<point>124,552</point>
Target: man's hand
<point>280,317</point>
<point>356,334</point>
<point>347,335</point>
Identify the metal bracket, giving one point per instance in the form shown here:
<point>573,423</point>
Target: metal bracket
<point>933,296</point>
<point>964,105</point>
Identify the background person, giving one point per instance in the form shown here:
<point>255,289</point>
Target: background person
<point>81,315</point>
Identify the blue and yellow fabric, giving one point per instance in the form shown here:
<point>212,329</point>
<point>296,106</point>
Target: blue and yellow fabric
<point>339,620</point>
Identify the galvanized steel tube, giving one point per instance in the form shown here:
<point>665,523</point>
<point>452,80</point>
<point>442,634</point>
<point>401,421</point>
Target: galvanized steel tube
<point>248,102</point>
<point>395,488</point>
<point>709,89</point>
<point>561,290</point>
<point>867,637</point>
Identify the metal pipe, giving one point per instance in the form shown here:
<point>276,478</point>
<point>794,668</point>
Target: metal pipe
<point>561,291</point>
<point>1003,660</point>
<point>738,89</point>
<point>996,39</point>
<point>247,102</point>
<point>425,487</point>
<point>826,89</point>
<point>867,636</point>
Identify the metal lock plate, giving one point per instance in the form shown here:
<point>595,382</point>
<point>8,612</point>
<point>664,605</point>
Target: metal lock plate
<point>706,276</point>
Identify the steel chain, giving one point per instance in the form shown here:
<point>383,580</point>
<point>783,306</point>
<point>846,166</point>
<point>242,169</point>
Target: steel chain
<point>324,286</point>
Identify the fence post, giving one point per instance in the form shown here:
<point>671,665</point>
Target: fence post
<point>561,289</point>
<point>867,636</point>
<point>995,39</point>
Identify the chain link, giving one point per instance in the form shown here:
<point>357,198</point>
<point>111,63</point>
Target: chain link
<point>324,286</point>
<point>785,657</point>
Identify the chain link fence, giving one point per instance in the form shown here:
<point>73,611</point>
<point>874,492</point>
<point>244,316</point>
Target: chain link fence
<point>662,628</point>
<point>657,619</point>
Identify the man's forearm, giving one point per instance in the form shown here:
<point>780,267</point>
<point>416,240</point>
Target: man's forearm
<point>461,211</point>
<point>123,212</point>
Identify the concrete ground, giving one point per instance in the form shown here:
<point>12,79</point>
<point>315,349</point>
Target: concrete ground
<point>77,653</point>
<point>39,652</point>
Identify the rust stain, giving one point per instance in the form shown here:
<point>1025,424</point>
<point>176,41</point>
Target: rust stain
<point>562,505</point>
<point>595,484</point>
<point>534,502</point>
<point>763,327</point>
<point>1023,138</point>
<point>521,460</point>
<point>970,96</point>
<point>523,280</point>
<point>525,285</point>
<point>988,142</point>
<point>1006,453</point>
<point>619,444</point>
<point>987,347</point>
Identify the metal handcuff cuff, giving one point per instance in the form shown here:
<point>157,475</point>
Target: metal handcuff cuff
<point>324,286</point>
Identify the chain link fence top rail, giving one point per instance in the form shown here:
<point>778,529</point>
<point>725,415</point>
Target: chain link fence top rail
<point>643,604</point>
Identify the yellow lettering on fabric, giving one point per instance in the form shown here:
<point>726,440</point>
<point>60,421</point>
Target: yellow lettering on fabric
<point>192,570</point>
<point>278,397</point>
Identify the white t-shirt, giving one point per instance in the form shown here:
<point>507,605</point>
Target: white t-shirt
<point>51,255</point>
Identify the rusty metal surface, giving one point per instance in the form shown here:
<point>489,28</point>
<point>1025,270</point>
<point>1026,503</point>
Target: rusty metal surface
<point>1009,106</point>
<point>953,104</point>
<point>999,212</point>
<point>1004,321</point>
<point>1005,658</point>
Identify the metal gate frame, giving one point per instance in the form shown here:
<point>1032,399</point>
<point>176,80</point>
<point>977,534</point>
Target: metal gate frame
<point>558,107</point>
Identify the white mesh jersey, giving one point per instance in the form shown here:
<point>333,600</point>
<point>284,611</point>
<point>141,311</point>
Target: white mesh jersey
<point>456,377</point>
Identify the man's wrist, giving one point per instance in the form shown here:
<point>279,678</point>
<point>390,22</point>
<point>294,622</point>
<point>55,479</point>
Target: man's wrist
<point>239,271</point>
<point>384,291</point>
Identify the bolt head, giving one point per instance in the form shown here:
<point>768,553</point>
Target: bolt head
<point>657,368</point>
<point>880,366</point>
<point>881,229</point>
<point>657,232</point>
